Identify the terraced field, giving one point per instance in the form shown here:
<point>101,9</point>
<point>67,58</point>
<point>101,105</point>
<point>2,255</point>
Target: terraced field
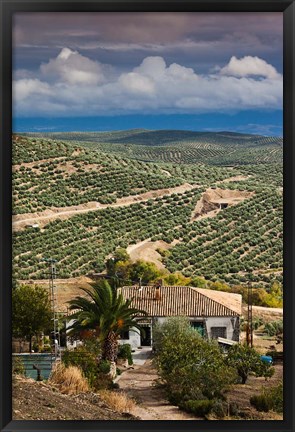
<point>215,199</point>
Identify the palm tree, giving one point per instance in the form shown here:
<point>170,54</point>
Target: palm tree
<point>107,314</point>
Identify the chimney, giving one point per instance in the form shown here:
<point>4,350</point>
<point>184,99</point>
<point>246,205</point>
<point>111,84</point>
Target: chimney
<point>158,285</point>
<point>157,293</point>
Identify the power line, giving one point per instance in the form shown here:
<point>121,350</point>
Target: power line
<point>249,333</point>
<point>52,275</point>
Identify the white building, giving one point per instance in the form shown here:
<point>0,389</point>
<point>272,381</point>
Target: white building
<point>213,313</point>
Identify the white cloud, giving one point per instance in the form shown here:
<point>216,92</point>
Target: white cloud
<point>250,66</point>
<point>25,88</point>
<point>73,68</point>
<point>75,85</point>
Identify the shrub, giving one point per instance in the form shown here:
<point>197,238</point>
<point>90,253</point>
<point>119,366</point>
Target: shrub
<point>18,366</point>
<point>104,366</point>
<point>102,381</point>
<point>269,399</point>
<point>124,352</point>
<point>274,328</point>
<point>69,380</point>
<point>46,348</point>
<point>219,408</point>
<point>119,402</point>
<point>233,409</point>
<point>198,407</point>
<point>83,359</point>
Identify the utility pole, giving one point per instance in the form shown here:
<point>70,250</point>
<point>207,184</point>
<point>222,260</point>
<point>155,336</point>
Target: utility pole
<point>250,317</point>
<point>51,276</point>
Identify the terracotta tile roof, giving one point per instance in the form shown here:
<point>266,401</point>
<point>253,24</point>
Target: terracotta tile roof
<point>183,301</point>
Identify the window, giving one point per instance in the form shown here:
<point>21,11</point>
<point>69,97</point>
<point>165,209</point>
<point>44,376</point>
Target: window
<point>217,332</point>
<point>125,335</point>
<point>199,327</point>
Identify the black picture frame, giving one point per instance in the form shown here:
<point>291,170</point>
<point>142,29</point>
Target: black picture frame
<point>8,8</point>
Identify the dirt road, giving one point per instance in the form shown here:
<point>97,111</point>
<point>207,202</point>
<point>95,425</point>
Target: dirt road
<point>42,218</point>
<point>140,384</point>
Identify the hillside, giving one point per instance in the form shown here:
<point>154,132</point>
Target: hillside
<point>34,400</point>
<point>218,211</point>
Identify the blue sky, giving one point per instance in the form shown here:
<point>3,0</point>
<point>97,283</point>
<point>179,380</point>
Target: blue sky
<point>104,71</point>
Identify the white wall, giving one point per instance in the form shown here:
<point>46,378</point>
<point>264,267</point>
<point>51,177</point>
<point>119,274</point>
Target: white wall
<point>221,322</point>
<point>212,322</point>
<point>134,339</point>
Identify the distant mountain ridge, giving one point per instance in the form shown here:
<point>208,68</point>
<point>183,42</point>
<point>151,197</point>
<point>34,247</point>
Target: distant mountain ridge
<point>162,137</point>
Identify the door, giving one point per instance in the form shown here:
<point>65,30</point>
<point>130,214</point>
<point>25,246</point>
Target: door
<point>145,337</point>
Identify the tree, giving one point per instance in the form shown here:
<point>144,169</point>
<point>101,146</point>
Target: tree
<point>31,311</point>
<point>147,271</point>
<point>105,312</point>
<point>246,360</point>
<point>190,366</point>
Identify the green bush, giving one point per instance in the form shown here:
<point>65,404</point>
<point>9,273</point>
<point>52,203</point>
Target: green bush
<point>104,366</point>
<point>274,328</point>
<point>125,353</point>
<point>270,399</point>
<point>198,407</point>
<point>18,367</point>
<point>219,408</point>
<point>84,359</point>
<point>102,381</point>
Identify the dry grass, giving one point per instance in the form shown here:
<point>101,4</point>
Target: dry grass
<point>69,380</point>
<point>119,402</point>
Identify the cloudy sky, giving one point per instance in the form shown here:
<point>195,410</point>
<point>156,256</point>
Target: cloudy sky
<point>102,71</point>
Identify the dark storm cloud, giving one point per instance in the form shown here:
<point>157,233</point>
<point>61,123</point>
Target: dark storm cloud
<point>110,64</point>
<point>198,40</point>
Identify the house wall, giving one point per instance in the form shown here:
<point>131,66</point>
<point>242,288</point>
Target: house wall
<point>229,322</point>
<point>134,339</point>
<point>70,344</point>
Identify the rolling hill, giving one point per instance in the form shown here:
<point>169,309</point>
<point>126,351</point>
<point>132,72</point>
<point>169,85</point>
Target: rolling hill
<point>213,200</point>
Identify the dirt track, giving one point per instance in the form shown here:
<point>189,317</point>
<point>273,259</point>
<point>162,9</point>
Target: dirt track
<point>42,218</point>
<point>139,383</point>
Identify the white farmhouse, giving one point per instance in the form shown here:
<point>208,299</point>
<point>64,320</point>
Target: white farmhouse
<point>214,314</point>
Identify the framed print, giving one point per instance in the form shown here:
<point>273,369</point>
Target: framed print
<point>147,224</point>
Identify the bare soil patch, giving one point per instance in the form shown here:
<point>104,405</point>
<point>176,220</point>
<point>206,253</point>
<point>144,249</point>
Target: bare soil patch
<point>236,178</point>
<point>214,200</point>
<point>266,313</point>
<point>241,393</point>
<point>147,251</point>
<point>66,289</point>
